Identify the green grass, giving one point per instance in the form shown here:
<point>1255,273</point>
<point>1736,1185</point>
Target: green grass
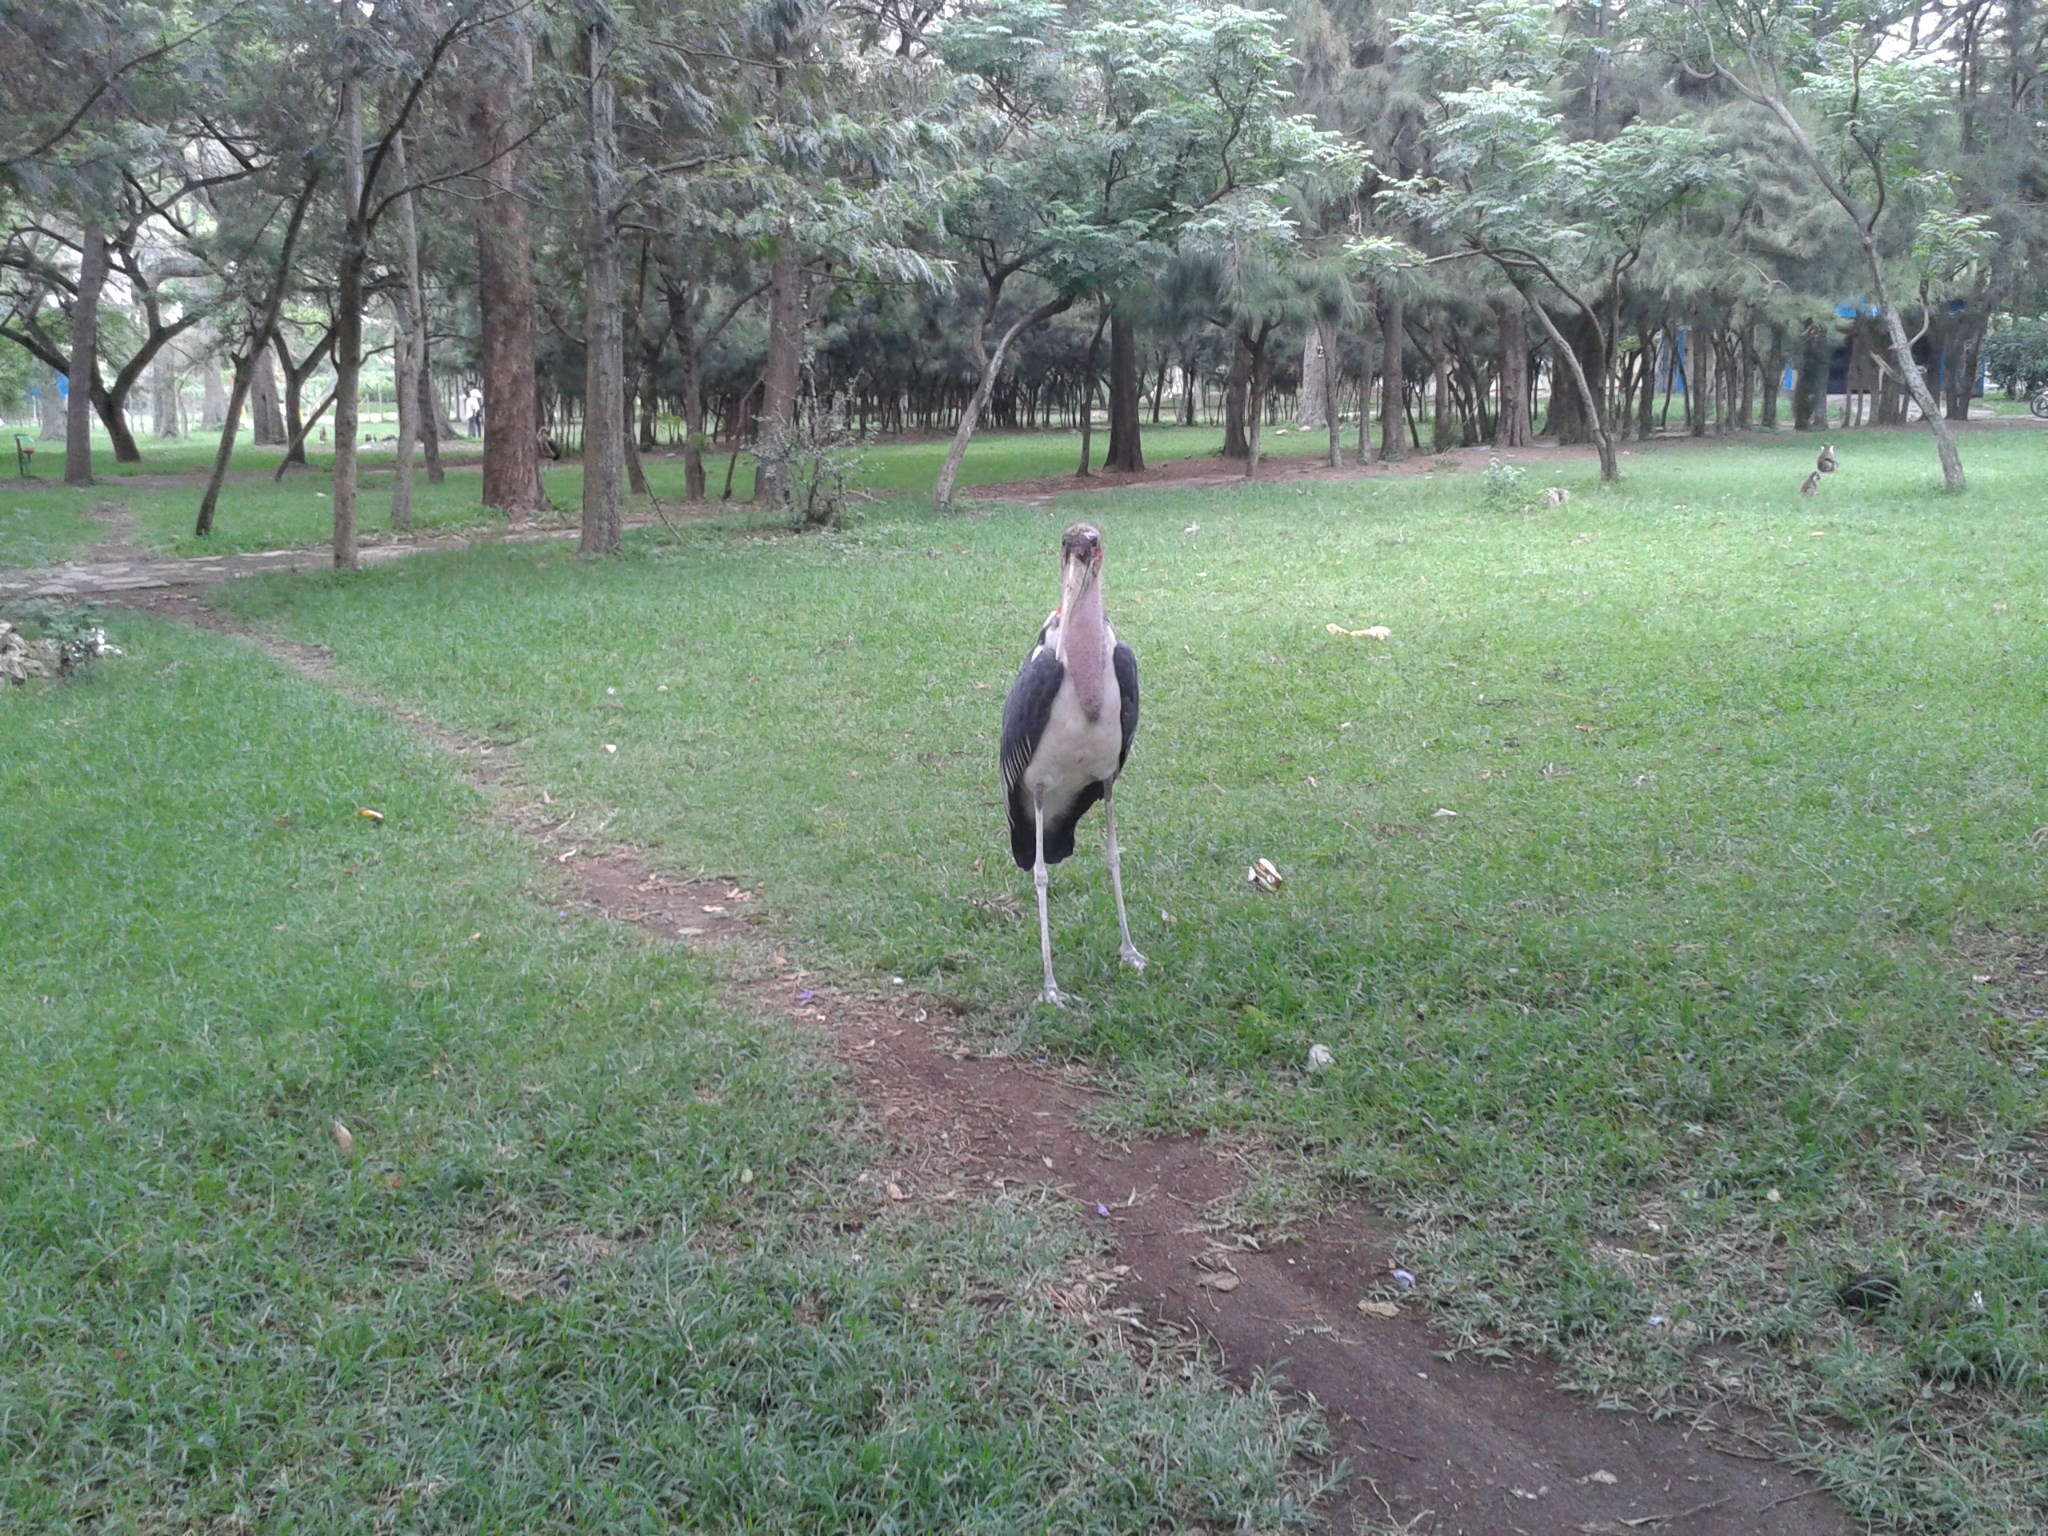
<point>47,522</point>
<point>38,525</point>
<point>599,1256</point>
<point>1748,789</point>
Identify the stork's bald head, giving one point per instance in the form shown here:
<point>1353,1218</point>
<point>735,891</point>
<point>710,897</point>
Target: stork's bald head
<point>1081,552</point>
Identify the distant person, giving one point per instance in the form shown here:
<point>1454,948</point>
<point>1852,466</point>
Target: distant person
<point>473,411</point>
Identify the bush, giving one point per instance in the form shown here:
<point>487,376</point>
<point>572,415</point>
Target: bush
<point>1501,486</point>
<point>819,458</point>
<point>2016,355</point>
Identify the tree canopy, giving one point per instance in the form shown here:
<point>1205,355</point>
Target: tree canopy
<point>765,221</point>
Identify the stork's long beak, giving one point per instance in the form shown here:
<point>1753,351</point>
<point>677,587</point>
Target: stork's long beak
<point>1080,559</point>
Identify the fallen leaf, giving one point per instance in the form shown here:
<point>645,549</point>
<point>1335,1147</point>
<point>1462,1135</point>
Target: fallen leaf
<point>369,815</point>
<point>1605,1478</point>
<point>895,1192</point>
<point>1441,812</point>
<point>1225,1282</point>
<point>1379,1309</point>
<point>610,747</point>
<point>746,1177</point>
<point>394,1181</point>
<point>342,1138</point>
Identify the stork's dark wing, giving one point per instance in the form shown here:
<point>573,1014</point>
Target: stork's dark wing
<point>1125,660</point>
<point>1025,713</point>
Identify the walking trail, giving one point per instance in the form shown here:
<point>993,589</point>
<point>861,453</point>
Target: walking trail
<point>1449,1447</point>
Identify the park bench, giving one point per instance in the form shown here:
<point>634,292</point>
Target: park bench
<point>25,455</point>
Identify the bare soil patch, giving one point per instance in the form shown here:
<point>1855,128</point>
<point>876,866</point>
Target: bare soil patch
<point>1449,1447</point>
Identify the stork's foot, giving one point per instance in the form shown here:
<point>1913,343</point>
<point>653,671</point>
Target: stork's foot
<point>1132,958</point>
<point>1056,997</point>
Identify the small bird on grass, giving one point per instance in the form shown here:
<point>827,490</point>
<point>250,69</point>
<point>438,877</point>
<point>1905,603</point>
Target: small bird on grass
<point>1067,729</point>
<point>1811,485</point>
<point>1827,461</point>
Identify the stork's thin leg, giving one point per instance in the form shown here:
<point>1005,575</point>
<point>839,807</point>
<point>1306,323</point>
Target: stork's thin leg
<point>1052,994</point>
<point>1130,953</point>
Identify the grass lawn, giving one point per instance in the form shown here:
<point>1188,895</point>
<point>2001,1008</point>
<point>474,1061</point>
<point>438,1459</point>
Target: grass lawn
<point>598,1256</point>
<point>43,521</point>
<point>1713,990</point>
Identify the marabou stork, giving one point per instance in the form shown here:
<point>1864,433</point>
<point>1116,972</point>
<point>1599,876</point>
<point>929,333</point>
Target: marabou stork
<point>1067,729</point>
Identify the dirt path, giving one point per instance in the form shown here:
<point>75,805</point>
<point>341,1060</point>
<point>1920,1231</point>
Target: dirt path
<point>1449,1448</point>
<point>118,569</point>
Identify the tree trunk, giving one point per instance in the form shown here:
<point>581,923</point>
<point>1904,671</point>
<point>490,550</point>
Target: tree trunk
<point>991,368</point>
<point>113,414</point>
<point>348,328</point>
<point>650,393</point>
<point>166,417</point>
<point>266,416</point>
<point>1326,372</point>
<point>213,396</point>
<point>505,301</point>
<point>85,325</point>
<point>692,365</point>
<point>230,426</point>
<point>1255,406</point>
<point>636,403</point>
<point>231,415</point>
<point>1646,407</point>
<point>54,412</point>
<point>1393,373</point>
<point>1512,429</point>
<point>1909,372</point>
<point>1443,433</point>
<point>406,371</point>
<point>295,376</point>
<point>1313,408</point>
<point>426,411</point>
<point>1088,396</point>
<point>782,376</point>
<point>1961,357</point>
<point>1235,386</point>
<point>1125,451</point>
<point>1603,440</point>
<point>1368,370</point>
<point>1810,384</point>
<point>1569,420</point>
<point>1771,381</point>
<point>604,423</point>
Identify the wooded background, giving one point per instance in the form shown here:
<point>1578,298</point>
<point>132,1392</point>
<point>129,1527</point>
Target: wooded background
<point>777,224</point>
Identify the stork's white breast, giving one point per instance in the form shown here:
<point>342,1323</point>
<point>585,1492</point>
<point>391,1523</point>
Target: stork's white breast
<point>1076,751</point>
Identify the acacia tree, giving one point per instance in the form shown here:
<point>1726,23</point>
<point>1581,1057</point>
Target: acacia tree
<point>1105,134</point>
<point>1872,128</point>
<point>1506,182</point>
